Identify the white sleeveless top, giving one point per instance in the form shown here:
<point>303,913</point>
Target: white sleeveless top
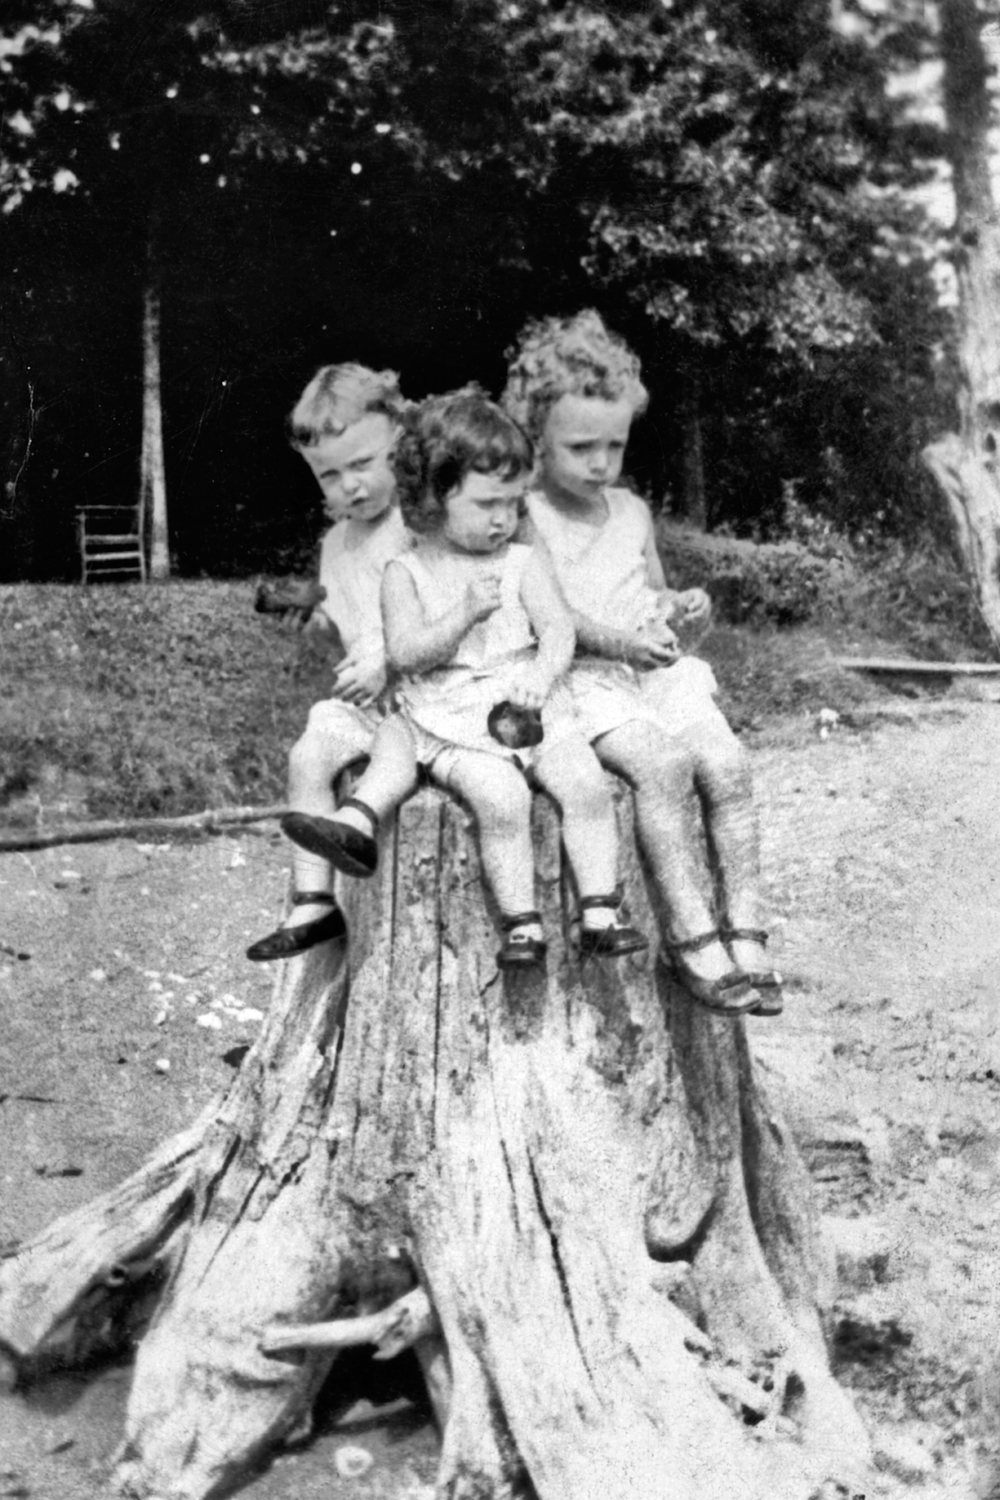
<point>602,569</point>
<point>603,574</point>
<point>352,560</point>
<point>452,701</point>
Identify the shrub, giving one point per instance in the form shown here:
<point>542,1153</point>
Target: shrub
<point>755,583</point>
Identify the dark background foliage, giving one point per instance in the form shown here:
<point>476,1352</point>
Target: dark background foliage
<point>404,184</point>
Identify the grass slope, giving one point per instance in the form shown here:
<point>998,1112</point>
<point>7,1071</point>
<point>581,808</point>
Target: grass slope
<point>144,700</point>
<point>132,700</point>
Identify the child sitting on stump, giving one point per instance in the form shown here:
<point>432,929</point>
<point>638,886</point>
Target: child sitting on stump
<point>576,389</point>
<point>477,628</point>
<point>344,425</point>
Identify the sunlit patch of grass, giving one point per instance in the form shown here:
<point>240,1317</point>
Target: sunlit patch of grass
<point>135,700</point>
<point>165,699</point>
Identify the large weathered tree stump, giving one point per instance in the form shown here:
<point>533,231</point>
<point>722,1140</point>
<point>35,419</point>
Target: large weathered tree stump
<point>567,1191</point>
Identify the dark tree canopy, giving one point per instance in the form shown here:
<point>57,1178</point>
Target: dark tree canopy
<point>406,183</point>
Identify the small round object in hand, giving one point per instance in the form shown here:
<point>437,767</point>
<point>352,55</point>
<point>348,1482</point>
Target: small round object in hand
<point>513,727</point>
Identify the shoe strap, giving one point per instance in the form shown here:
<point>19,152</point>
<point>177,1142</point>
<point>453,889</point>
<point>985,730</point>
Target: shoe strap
<point>521,919</point>
<point>313,898</point>
<point>745,935</point>
<point>362,807</point>
<point>691,945</point>
<point>593,903</point>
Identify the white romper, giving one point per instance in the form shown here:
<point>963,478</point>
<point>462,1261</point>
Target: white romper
<point>352,560</point>
<point>447,707</point>
<point>602,572</point>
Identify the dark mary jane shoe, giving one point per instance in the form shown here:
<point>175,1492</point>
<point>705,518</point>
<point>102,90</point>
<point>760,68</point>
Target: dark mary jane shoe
<point>613,941</point>
<point>285,942</point>
<point>767,982</point>
<point>519,951</point>
<point>732,995</point>
<point>346,848</point>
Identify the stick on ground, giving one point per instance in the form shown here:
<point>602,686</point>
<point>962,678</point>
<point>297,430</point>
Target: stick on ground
<point>212,820</point>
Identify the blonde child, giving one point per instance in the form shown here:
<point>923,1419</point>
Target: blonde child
<point>576,389</point>
<point>344,425</point>
<point>474,621</point>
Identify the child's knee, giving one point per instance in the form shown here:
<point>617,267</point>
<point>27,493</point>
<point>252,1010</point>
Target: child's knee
<point>581,789</point>
<point>659,762</point>
<point>502,802</point>
<point>321,749</point>
<point>719,751</point>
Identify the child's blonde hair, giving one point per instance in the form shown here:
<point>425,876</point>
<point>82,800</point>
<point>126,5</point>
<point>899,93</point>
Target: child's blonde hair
<point>575,356</point>
<point>339,395</point>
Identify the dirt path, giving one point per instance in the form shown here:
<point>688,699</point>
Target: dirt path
<point>882,860</point>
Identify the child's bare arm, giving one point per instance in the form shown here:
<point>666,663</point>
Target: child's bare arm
<point>415,644</point>
<point>690,606</point>
<point>553,625</point>
<point>361,673</point>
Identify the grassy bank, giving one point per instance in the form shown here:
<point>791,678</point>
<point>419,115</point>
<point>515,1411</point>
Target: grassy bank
<point>160,700</point>
<point>132,700</point>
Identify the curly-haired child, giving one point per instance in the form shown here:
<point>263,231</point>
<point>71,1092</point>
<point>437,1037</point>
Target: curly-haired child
<point>475,622</point>
<point>576,388</point>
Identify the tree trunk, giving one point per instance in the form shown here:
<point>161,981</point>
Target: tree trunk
<point>965,464</point>
<point>567,1190</point>
<point>693,497</point>
<point>152,478</point>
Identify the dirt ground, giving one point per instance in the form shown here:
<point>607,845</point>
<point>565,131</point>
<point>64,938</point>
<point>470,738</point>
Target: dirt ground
<point>124,993</point>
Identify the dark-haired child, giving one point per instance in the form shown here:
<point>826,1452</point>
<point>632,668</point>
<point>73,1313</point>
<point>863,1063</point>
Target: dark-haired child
<point>473,619</point>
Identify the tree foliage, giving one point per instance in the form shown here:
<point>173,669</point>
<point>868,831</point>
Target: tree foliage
<point>406,182</point>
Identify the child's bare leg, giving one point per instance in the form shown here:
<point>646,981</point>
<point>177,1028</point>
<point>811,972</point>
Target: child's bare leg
<point>661,769</point>
<point>333,737</point>
<point>389,779</point>
<point>347,840</point>
<point>572,774</point>
<point>722,774</point>
<point>498,795</point>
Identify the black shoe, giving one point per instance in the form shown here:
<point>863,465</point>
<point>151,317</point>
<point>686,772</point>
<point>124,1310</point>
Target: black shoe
<point>613,941</point>
<point>344,847</point>
<point>732,995</point>
<point>519,951</point>
<point>767,982</point>
<point>285,942</point>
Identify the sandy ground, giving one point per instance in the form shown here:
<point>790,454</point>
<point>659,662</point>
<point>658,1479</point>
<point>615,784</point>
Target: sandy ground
<point>882,862</point>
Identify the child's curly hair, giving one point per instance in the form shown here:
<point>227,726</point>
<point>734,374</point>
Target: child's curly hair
<point>339,395</point>
<point>446,438</point>
<point>575,356</point>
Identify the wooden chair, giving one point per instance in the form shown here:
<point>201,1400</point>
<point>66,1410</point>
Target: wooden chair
<point>111,544</point>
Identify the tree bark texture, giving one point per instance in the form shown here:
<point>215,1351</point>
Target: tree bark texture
<point>694,499</point>
<point>567,1189</point>
<point>152,475</point>
<point>965,464</point>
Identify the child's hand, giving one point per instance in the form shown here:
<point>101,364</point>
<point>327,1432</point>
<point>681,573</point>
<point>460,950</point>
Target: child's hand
<point>528,686</point>
<point>655,645</point>
<point>360,678</point>
<point>692,607</point>
<point>482,596</point>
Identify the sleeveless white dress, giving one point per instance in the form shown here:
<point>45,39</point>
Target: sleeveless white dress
<point>448,706</point>
<point>602,572</point>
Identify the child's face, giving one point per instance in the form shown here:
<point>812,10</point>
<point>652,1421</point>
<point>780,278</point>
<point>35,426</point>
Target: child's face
<point>482,513</point>
<point>583,445</point>
<point>354,470</point>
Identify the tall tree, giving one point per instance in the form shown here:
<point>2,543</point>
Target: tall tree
<point>120,122</point>
<point>965,463</point>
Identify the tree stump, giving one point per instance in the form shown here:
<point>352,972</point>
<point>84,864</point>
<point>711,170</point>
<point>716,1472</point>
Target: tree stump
<point>567,1190</point>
